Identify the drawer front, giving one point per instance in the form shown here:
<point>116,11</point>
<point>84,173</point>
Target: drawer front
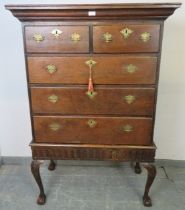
<point>74,100</point>
<point>107,70</point>
<point>97,130</point>
<point>126,38</point>
<point>59,39</point>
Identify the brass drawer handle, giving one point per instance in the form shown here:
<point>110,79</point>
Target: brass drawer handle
<point>145,37</point>
<point>126,32</point>
<point>56,32</point>
<point>38,37</point>
<point>107,37</point>
<point>129,99</point>
<point>131,68</point>
<point>128,128</point>
<point>91,123</point>
<point>54,126</point>
<point>53,98</point>
<point>51,68</point>
<point>75,37</point>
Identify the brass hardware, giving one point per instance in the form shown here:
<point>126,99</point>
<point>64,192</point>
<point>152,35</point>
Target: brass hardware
<point>145,37</point>
<point>91,123</point>
<point>107,37</point>
<point>126,32</point>
<point>131,68</point>
<point>128,128</point>
<point>90,63</point>
<point>75,37</point>
<point>129,99</point>
<point>53,98</point>
<point>56,32</point>
<point>51,68</point>
<point>91,94</point>
<point>54,126</point>
<point>38,37</point>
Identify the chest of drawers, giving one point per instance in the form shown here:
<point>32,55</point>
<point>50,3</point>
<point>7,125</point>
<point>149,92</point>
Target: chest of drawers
<point>92,73</point>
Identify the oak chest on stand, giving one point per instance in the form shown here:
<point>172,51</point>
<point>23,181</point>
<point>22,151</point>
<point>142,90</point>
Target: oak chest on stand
<point>92,73</point>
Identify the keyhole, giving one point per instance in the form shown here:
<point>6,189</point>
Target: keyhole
<point>90,93</point>
<point>56,32</point>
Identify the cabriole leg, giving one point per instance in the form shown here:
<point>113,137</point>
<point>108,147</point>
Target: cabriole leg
<point>137,168</point>
<point>52,165</point>
<point>151,169</point>
<point>35,169</point>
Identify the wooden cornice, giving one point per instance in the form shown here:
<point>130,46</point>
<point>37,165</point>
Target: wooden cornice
<point>103,11</point>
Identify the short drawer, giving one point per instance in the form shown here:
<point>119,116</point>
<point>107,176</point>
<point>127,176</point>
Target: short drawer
<point>57,39</point>
<point>93,130</point>
<point>117,69</point>
<point>126,38</point>
<point>107,100</point>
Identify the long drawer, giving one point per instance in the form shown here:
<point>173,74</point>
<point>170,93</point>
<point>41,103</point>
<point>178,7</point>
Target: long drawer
<point>107,100</point>
<point>120,69</point>
<point>96,130</point>
<point>119,38</point>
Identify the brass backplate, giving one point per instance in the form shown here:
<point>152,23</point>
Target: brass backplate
<point>51,68</point>
<point>145,37</point>
<point>127,128</point>
<point>107,37</point>
<point>129,99</point>
<point>54,126</point>
<point>53,98</point>
<point>130,68</point>
<point>38,37</point>
<point>75,37</point>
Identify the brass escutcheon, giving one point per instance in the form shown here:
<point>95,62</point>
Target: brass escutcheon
<point>54,126</point>
<point>91,94</point>
<point>38,37</point>
<point>129,99</point>
<point>126,32</point>
<point>107,37</point>
<point>90,63</point>
<point>75,37</point>
<point>56,32</point>
<point>51,68</point>
<point>145,37</point>
<point>53,98</point>
<point>91,123</point>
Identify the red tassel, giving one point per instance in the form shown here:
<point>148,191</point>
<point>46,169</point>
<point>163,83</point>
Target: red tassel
<point>90,86</point>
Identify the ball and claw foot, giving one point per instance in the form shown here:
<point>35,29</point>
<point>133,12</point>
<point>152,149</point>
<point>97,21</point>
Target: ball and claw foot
<point>41,200</point>
<point>52,165</point>
<point>147,201</point>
